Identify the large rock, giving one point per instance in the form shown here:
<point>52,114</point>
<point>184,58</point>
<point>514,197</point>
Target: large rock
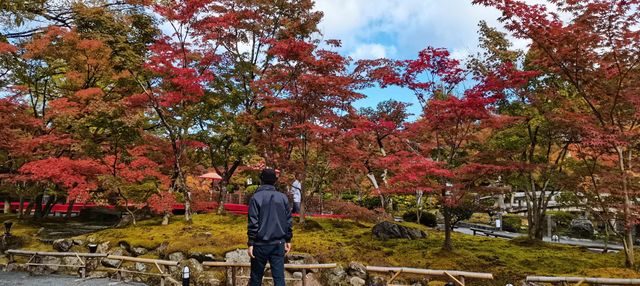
<point>114,263</point>
<point>176,256</point>
<point>140,267</point>
<point>336,277</point>
<point>357,269</point>
<point>357,281</point>
<point>138,250</point>
<point>51,267</point>
<point>103,247</point>
<point>386,230</point>
<point>301,258</point>
<point>582,228</point>
<point>202,257</point>
<point>376,281</point>
<point>238,255</point>
<point>62,245</point>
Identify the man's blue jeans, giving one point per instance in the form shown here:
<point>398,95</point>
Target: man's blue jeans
<point>273,253</point>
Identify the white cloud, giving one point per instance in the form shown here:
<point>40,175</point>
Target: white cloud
<point>407,25</point>
<point>372,51</point>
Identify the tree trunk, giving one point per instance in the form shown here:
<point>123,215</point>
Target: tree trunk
<point>629,225</point>
<point>48,206</point>
<point>303,209</point>
<point>7,206</point>
<point>221,199</point>
<point>29,207</point>
<point>21,207</point>
<point>70,209</point>
<point>165,219</point>
<point>447,246</point>
<point>38,207</point>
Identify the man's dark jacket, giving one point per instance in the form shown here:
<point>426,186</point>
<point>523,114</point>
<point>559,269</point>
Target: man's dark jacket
<point>269,217</point>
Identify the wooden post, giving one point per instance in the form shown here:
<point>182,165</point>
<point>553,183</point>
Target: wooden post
<point>462,280</point>
<point>304,277</point>
<point>234,278</point>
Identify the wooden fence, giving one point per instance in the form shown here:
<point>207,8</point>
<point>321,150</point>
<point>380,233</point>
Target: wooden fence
<point>582,280</point>
<point>458,277</point>
<point>235,265</point>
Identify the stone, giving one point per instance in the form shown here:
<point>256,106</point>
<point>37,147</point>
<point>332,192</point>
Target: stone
<point>336,277</point>
<point>301,258</point>
<point>103,247</point>
<point>138,250</point>
<point>69,260</point>
<point>124,245</point>
<point>78,242</point>
<point>357,269</point>
<point>376,281</point>
<point>238,255</point>
<point>113,263</point>
<point>202,257</point>
<point>297,275</point>
<point>47,269</point>
<point>195,267</point>
<point>357,281</point>
<point>312,280</point>
<point>141,267</point>
<point>582,228</point>
<point>62,245</point>
<point>162,249</point>
<point>387,230</point>
<point>176,256</point>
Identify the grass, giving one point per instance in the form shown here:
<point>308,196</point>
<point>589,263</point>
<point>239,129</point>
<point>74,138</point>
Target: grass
<point>345,241</point>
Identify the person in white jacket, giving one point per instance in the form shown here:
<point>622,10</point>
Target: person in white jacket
<point>296,188</point>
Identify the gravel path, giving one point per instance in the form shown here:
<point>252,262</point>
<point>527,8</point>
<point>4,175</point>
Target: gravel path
<point>21,278</point>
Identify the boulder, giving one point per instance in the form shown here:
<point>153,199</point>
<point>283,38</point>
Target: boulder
<point>176,256</point>
<point>336,277</point>
<point>238,255</point>
<point>582,228</point>
<point>114,263</point>
<point>103,247</point>
<point>62,245</point>
<point>138,250</point>
<point>376,281</point>
<point>357,269</point>
<point>51,266</point>
<point>297,275</point>
<point>301,258</point>
<point>141,267</point>
<point>162,249</point>
<point>387,230</point>
<point>357,281</point>
<point>78,242</point>
<point>202,257</point>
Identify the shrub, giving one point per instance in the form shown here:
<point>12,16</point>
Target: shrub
<point>512,223</point>
<point>356,212</point>
<point>562,220</point>
<point>427,218</point>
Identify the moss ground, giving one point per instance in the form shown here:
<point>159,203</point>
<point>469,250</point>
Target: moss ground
<point>345,241</point>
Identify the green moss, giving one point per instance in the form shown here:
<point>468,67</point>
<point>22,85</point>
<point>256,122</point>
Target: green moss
<point>344,241</point>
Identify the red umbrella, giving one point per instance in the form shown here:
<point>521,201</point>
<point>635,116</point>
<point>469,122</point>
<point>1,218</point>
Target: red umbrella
<point>211,176</point>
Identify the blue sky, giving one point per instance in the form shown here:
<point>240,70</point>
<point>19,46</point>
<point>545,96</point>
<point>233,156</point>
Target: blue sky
<point>398,29</point>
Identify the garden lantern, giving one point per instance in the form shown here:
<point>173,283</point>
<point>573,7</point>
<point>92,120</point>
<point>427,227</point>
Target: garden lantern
<point>185,276</point>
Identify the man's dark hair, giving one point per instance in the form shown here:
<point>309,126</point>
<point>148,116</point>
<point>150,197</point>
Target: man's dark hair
<point>268,177</point>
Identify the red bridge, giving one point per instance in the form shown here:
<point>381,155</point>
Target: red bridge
<point>238,209</point>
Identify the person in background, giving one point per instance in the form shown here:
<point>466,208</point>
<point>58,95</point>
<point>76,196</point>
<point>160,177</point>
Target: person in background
<point>269,230</point>
<point>296,188</point>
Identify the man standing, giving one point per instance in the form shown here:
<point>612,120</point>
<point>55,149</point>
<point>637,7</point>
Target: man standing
<point>296,187</point>
<point>269,230</point>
